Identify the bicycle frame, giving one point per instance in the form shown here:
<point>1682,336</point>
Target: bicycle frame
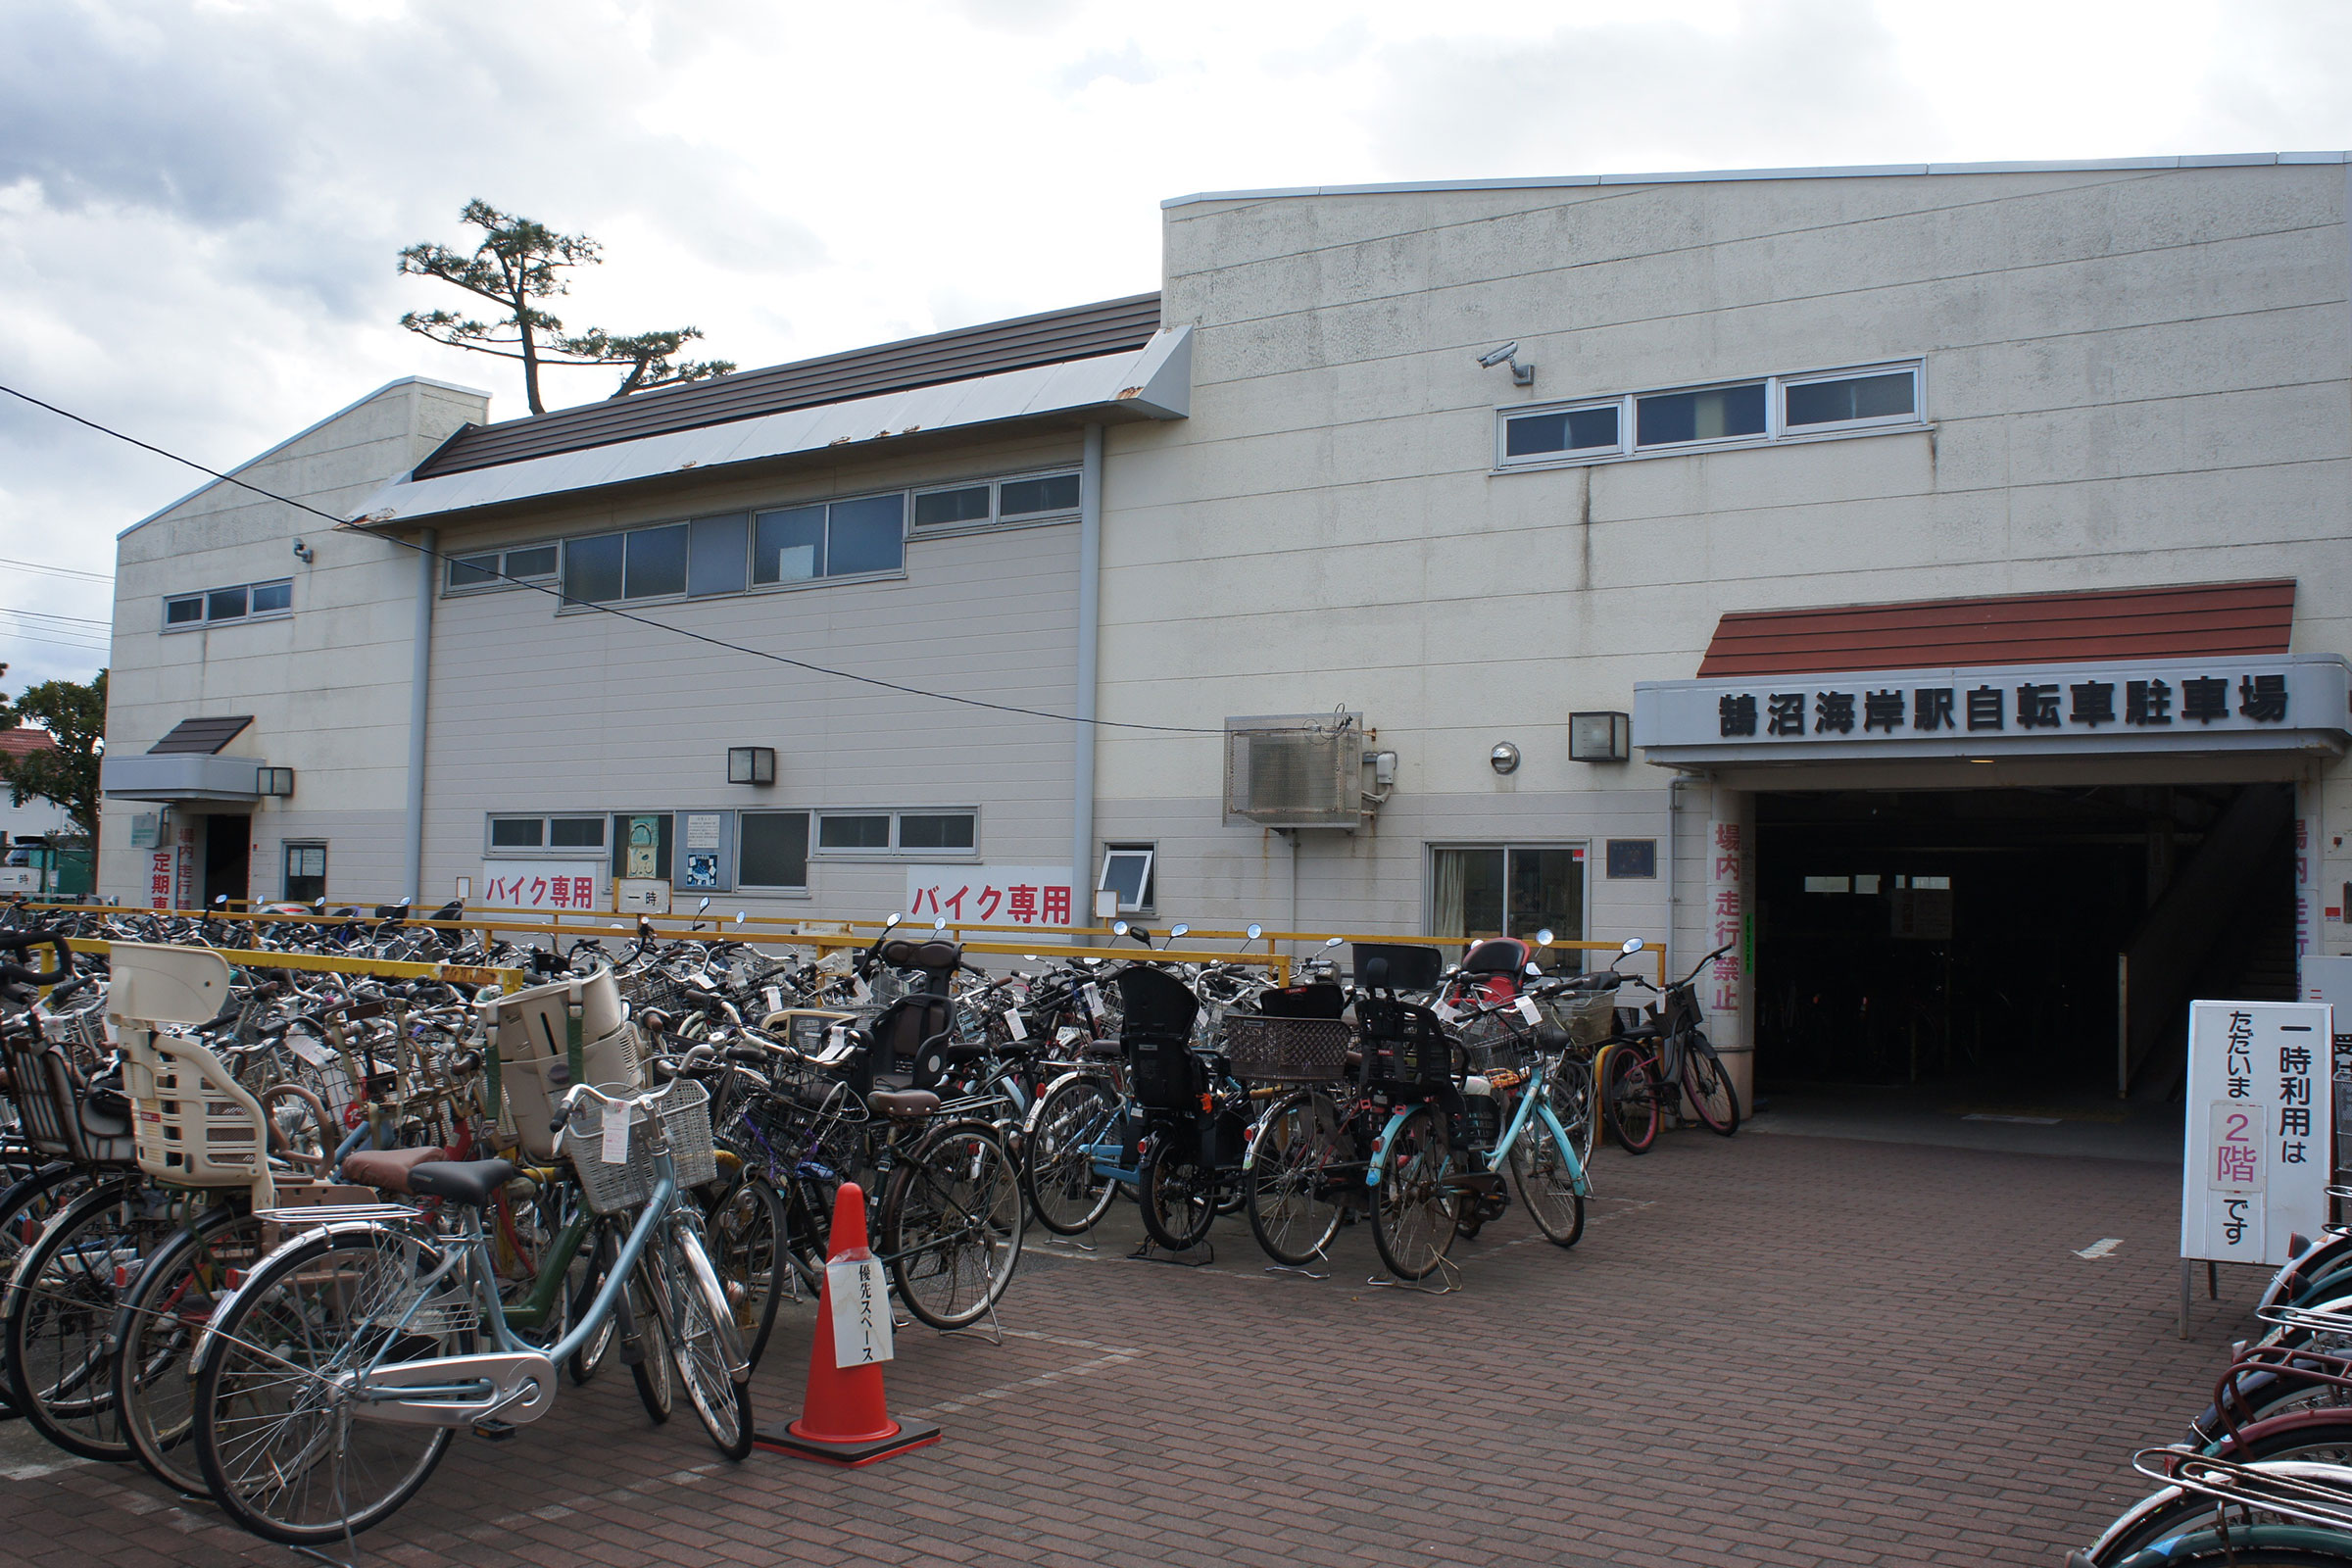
<point>1532,1105</point>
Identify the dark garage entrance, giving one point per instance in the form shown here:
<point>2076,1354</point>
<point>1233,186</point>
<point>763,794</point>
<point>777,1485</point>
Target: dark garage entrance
<point>2009,944</point>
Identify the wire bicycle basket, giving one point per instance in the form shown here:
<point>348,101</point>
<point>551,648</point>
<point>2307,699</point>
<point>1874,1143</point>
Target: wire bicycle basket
<point>611,1186</point>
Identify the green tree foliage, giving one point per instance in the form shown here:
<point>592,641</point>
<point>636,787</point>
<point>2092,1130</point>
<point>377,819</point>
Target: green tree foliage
<point>74,712</point>
<point>519,264</point>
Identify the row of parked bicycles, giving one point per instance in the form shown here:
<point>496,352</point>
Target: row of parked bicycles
<point>2263,1478</point>
<point>278,1235</point>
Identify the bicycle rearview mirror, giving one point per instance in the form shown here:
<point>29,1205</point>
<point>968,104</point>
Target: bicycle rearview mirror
<point>940,924</point>
<point>1333,942</point>
<point>1535,968</point>
<point>1256,930</point>
<point>1632,945</point>
<point>1118,928</point>
<point>1176,931</point>
<point>739,917</point>
<point>700,908</point>
<point>1544,938</point>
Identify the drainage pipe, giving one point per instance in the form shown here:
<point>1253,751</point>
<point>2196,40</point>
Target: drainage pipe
<point>1090,631</point>
<point>421,669</point>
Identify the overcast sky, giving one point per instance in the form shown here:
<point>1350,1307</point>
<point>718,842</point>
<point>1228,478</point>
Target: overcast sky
<point>200,204</point>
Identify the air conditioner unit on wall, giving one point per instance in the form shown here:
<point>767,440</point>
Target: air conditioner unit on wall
<point>1296,770</point>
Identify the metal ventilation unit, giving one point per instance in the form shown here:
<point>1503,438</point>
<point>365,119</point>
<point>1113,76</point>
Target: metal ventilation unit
<point>1296,770</point>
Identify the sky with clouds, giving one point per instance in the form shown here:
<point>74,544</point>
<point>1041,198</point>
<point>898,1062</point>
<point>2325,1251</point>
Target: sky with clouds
<point>200,202</point>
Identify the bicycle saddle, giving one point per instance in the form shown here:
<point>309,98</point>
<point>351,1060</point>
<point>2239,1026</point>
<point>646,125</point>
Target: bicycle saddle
<point>471,1182</point>
<point>903,1105</point>
<point>387,1169</point>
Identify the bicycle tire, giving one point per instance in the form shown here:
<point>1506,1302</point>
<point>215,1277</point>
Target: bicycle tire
<point>60,1316</point>
<point>158,1326</point>
<point>952,1219</point>
<point>1568,1090</point>
<point>28,1205</point>
<point>645,1337</point>
<point>706,1348</point>
<point>1545,1189</point>
<point>1415,1212</point>
<point>1293,1207</point>
<point>1066,1194</point>
<point>1631,1098</point>
<point>270,1327</point>
<point>1177,1194</point>
<point>1707,1085</point>
<point>746,1235</point>
<point>589,1359</point>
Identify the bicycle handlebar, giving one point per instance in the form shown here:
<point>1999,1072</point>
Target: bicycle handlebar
<point>24,940</point>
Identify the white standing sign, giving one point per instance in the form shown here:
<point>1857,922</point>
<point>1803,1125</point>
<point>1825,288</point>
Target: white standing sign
<point>861,1298</point>
<point>2328,980</point>
<point>2258,1135</point>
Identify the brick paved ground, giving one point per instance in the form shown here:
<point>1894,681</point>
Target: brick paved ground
<point>1773,1350</point>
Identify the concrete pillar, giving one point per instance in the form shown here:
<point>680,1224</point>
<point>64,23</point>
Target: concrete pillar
<point>1727,991</point>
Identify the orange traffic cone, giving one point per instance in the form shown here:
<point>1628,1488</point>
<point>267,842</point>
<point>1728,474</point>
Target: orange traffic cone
<point>844,1419</point>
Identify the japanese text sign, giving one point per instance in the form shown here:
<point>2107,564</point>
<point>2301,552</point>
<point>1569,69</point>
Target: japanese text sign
<point>992,895</point>
<point>861,1298</point>
<point>2258,1136</point>
<point>541,885</point>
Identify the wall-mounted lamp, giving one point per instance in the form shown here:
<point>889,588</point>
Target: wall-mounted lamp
<point>1600,736</point>
<point>751,764</point>
<point>1505,757</point>
<point>303,552</point>
<point>1508,354</point>
<point>277,781</point>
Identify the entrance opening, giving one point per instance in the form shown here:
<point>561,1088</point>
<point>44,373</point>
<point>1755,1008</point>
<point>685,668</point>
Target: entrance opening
<point>2017,946</point>
<point>228,854</point>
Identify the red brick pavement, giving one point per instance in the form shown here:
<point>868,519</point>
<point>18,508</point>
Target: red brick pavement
<point>1772,1350</point>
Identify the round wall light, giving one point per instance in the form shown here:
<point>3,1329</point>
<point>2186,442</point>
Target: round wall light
<point>1505,757</point>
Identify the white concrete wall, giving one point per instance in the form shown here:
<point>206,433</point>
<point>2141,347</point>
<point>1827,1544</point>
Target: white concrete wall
<point>2133,377</point>
<point>328,686</point>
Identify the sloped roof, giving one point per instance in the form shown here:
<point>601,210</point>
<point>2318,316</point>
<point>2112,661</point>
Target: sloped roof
<point>25,740</point>
<point>203,737</point>
<point>1084,331</point>
<point>2172,622</point>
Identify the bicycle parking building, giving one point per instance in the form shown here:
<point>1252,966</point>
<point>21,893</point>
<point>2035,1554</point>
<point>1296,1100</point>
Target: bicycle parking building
<point>1869,554</point>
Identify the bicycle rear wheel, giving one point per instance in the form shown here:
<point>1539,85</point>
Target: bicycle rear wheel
<point>645,1338</point>
<point>1708,1086</point>
<point>1176,1191</point>
<point>951,1221</point>
<point>745,1231</point>
<point>281,1450</point>
<point>1568,1088</point>
<point>25,1206</point>
<point>1415,1211</point>
<point>161,1318</point>
<point>1291,1187</point>
<point>1064,1192</point>
<point>1631,1098</point>
<point>61,1305</point>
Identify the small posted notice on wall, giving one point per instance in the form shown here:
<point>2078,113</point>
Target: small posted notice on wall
<point>2259,1129</point>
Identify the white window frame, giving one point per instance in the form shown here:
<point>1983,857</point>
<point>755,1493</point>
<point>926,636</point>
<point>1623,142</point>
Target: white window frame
<point>544,849</point>
<point>1151,853</point>
<point>894,851</point>
<point>995,517</point>
<point>502,582</point>
<point>1776,431</point>
<point>1429,877</point>
<point>204,597</point>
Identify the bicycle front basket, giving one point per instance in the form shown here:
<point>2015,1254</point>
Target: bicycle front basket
<point>614,1186</point>
<point>1496,1043</point>
<point>1590,1019</point>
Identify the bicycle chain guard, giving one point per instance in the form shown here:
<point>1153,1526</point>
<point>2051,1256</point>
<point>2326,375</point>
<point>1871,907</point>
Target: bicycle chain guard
<point>523,1389</point>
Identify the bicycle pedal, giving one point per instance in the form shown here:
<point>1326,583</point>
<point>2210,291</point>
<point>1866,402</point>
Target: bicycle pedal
<point>495,1430</point>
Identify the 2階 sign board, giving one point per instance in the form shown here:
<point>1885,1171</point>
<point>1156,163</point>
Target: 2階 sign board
<point>2258,1134</point>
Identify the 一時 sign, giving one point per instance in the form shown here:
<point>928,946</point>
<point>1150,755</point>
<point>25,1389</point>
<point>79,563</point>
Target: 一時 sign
<point>2256,702</point>
<point>992,895</point>
<point>2258,1142</point>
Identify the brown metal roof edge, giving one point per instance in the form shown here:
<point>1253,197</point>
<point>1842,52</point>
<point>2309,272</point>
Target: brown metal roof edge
<point>2019,604</point>
<point>2213,619</point>
<point>1075,332</point>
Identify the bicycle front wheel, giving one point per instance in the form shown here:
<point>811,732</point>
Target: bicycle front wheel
<point>1631,1098</point>
<point>707,1349</point>
<point>1415,1209</point>
<point>283,1451</point>
<point>165,1310</point>
<point>1076,1114</point>
<point>746,1243</point>
<point>1709,1087</point>
<point>1292,1188</point>
<point>1568,1089</point>
<point>1546,1185</point>
<point>952,1220</point>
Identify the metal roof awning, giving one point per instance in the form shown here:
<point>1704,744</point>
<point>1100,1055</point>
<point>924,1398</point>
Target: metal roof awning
<point>201,736</point>
<point>1149,382</point>
<point>176,776</point>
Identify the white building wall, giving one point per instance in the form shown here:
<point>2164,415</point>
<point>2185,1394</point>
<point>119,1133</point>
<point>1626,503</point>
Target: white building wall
<point>2132,377</point>
<point>328,685</point>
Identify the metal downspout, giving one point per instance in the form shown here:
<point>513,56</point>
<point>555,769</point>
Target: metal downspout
<point>421,669</point>
<point>1090,630</point>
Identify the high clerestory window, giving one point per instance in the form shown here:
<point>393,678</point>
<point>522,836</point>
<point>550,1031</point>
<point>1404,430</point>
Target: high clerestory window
<point>249,601</point>
<point>1732,413</point>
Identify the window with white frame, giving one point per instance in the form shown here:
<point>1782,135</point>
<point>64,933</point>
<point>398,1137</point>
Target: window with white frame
<point>1127,872</point>
<point>1516,890</point>
<point>929,831</point>
<point>1022,498</point>
<point>512,567</point>
<point>1731,414</point>
<point>249,601</point>
<point>549,834</point>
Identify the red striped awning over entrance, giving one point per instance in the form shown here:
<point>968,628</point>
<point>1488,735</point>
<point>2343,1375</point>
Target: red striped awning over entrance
<point>2187,621</point>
